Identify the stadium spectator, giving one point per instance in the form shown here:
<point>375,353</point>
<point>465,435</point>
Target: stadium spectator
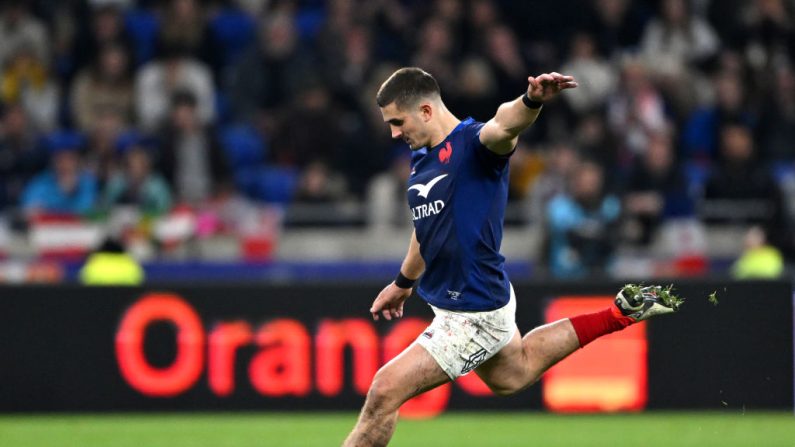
<point>26,79</point>
<point>730,18</point>
<point>385,194</point>
<point>158,81</point>
<point>107,84</point>
<point>452,12</point>
<point>63,32</point>
<point>768,35</point>
<point>636,109</point>
<point>759,259</point>
<point>349,66</point>
<point>677,39</point>
<point>319,184</point>
<point>598,77</point>
<point>477,89</point>
<point>392,21</point>
<point>437,53</point>
<point>365,152</point>
<point>340,17</point>
<point>527,164</point>
<point>741,190</point>
<point>501,49</point>
<point>253,7</point>
<point>184,25</point>
<point>267,77</point>
<point>388,21</point>
<point>111,265</point>
<point>617,25</point>
<point>121,4</point>
<point>776,129</point>
<point>702,128</point>
<point>137,184</point>
<point>65,188</point>
<point>561,159</point>
<point>482,16</point>
<point>597,141</point>
<point>103,26</point>
<point>191,159</point>
<point>582,225</point>
<point>20,29</point>
<point>656,190</point>
<point>21,155</point>
<point>101,158</point>
<point>312,108</point>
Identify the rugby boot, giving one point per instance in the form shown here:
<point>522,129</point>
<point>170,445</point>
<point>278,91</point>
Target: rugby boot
<point>642,302</point>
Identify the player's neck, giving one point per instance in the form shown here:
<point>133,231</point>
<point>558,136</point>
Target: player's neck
<point>446,124</point>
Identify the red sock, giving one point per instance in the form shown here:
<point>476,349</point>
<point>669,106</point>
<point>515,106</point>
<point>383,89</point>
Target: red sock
<point>589,327</point>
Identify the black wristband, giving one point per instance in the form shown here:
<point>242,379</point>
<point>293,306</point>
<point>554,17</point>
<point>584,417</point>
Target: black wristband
<point>534,105</point>
<point>403,282</point>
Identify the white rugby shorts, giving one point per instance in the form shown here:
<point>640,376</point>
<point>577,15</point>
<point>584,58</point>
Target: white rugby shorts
<point>461,341</point>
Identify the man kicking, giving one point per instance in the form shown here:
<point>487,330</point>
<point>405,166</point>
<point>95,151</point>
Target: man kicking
<point>458,189</point>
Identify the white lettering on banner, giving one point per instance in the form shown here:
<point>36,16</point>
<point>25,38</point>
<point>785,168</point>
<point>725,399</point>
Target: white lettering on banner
<point>427,209</point>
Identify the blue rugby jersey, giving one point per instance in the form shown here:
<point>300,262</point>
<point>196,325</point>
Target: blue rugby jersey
<point>457,194</point>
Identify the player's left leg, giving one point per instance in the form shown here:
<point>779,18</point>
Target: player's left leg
<point>412,372</point>
<point>524,359</point>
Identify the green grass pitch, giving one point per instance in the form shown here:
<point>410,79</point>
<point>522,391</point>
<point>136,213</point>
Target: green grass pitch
<point>453,429</point>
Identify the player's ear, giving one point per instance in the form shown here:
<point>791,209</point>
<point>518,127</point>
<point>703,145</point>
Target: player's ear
<point>426,111</point>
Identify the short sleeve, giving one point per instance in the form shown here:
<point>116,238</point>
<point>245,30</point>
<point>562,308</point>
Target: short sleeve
<point>485,155</point>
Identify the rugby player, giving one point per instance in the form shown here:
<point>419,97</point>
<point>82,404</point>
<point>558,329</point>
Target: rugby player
<point>458,189</point>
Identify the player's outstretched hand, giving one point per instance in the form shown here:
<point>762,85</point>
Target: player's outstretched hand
<point>544,87</point>
<point>389,302</point>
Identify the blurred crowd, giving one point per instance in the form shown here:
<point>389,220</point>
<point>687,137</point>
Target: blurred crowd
<point>685,109</point>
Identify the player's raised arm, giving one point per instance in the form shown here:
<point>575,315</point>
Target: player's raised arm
<point>501,133</point>
<point>390,301</point>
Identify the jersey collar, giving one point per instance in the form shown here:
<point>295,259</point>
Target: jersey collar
<point>465,122</point>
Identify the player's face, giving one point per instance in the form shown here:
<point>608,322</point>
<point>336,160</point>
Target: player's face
<point>406,125</point>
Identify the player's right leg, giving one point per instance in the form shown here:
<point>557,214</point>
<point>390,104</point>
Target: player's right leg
<point>524,359</point>
<point>412,372</point>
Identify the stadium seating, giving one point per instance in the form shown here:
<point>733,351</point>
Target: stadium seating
<point>143,27</point>
<point>242,145</point>
<point>233,31</point>
<point>276,184</point>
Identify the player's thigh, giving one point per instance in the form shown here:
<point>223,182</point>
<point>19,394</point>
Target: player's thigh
<point>506,371</point>
<point>410,373</point>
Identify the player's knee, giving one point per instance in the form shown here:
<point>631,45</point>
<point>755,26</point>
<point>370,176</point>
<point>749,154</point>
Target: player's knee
<point>505,390</point>
<point>383,394</point>
<point>510,387</point>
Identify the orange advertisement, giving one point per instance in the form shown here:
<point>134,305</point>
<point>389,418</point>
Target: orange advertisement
<point>610,374</point>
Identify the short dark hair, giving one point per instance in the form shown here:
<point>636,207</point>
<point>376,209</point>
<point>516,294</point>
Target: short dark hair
<point>407,86</point>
